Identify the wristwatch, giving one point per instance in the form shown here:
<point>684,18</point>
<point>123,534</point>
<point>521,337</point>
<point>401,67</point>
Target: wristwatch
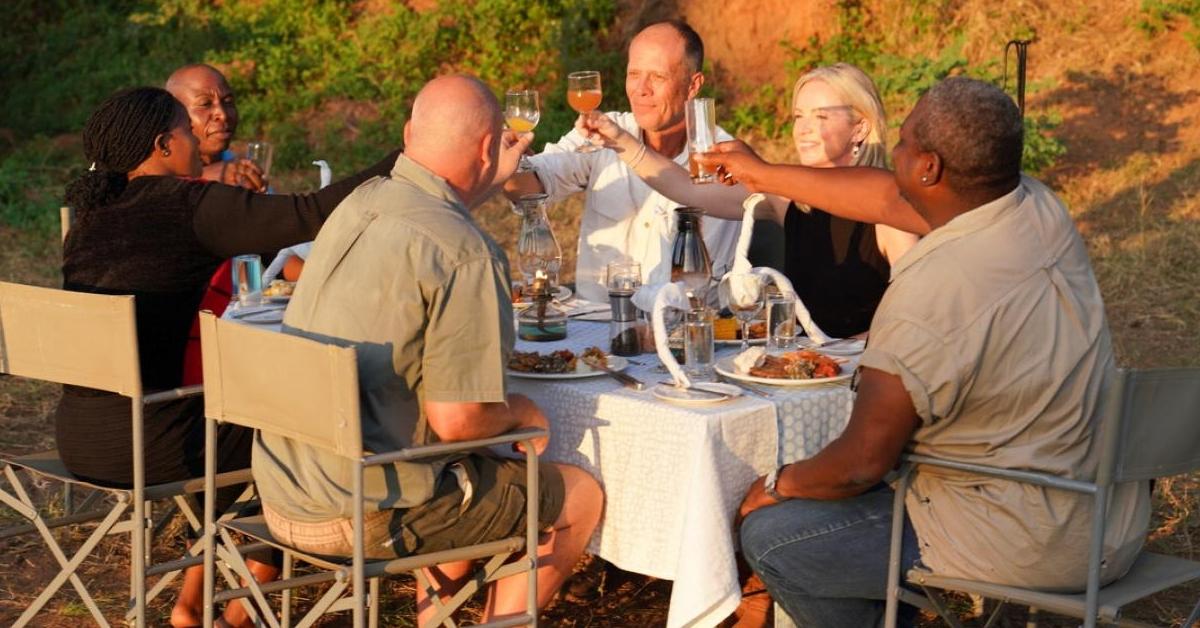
<point>769,484</point>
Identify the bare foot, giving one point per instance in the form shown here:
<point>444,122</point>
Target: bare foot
<point>185,616</point>
<point>188,609</point>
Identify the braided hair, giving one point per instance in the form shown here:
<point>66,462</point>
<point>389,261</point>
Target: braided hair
<point>118,136</point>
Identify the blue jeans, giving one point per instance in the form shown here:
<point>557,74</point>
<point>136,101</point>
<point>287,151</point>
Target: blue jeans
<point>826,562</point>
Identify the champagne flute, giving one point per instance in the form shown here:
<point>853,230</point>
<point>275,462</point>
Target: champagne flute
<point>583,94</point>
<point>521,114</point>
<point>743,294</point>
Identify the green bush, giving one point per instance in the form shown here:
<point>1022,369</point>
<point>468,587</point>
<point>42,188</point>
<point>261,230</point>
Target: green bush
<point>330,79</point>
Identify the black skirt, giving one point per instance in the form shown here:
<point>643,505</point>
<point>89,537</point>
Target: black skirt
<point>95,441</point>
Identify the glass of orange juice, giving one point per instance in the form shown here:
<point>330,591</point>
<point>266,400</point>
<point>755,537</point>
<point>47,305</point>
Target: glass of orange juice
<point>583,94</point>
<point>521,115</point>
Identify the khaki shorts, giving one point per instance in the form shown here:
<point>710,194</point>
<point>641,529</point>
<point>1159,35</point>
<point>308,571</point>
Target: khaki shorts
<point>494,509</point>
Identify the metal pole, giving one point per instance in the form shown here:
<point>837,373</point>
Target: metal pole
<point>1022,48</point>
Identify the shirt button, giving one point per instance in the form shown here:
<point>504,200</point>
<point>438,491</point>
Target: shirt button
<point>647,224</point>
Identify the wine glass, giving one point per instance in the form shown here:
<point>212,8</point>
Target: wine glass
<point>583,94</point>
<point>521,114</point>
<point>743,294</point>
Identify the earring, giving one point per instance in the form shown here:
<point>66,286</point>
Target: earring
<point>166,153</point>
<point>854,151</point>
<point>924,179</point>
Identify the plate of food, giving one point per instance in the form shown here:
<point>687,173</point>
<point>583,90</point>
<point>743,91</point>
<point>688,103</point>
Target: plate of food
<point>520,299</point>
<point>279,291</point>
<point>728,331</point>
<point>804,367</point>
<point>562,364</point>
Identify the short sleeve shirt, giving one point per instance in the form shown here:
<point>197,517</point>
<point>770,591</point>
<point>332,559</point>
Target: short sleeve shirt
<point>995,325</point>
<point>401,272</point>
<point>622,215</point>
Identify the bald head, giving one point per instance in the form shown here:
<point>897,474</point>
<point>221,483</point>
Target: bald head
<point>454,130</point>
<point>210,104</point>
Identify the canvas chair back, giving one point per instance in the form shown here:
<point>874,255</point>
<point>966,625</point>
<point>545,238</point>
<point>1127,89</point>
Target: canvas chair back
<point>66,337</point>
<point>1160,426</point>
<point>286,385</point>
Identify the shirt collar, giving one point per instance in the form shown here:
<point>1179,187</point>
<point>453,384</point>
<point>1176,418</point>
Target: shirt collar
<point>964,224</point>
<point>408,170</point>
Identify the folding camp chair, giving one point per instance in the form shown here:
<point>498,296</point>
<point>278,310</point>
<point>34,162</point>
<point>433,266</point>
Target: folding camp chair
<point>88,340</point>
<point>310,395</point>
<point>1149,428</point>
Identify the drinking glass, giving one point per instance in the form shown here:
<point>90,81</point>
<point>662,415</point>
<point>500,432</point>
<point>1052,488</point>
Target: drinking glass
<point>742,293</point>
<point>701,136</point>
<point>781,322</point>
<point>261,153</point>
<point>698,344</point>
<point>247,280</point>
<point>623,276</point>
<point>583,94</point>
<point>521,114</point>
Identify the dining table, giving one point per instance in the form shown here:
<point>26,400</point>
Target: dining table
<point>673,474</point>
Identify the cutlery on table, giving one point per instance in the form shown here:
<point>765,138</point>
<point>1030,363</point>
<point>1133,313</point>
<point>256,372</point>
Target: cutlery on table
<point>628,380</point>
<point>704,391</point>
<point>746,387</point>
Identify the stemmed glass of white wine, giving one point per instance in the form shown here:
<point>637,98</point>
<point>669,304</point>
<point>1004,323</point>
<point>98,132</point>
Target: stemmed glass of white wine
<point>521,114</point>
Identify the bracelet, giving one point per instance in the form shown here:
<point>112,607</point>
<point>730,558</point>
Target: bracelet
<point>637,156</point>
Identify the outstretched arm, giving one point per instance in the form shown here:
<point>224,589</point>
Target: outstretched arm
<point>661,172</point>
<point>857,193</point>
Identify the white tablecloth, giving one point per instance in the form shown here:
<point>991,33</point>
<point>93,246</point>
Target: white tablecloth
<point>675,475</point>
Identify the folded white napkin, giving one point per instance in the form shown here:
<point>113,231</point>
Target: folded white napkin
<point>741,257</point>
<point>326,172</point>
<point>673,295</point>
<point>276,266</point>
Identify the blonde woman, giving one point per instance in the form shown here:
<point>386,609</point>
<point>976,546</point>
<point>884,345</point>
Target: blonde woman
<point>839,264</point>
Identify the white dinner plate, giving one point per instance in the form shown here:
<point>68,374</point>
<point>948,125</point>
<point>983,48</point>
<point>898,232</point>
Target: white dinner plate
<point>615,362</point>
<point>725,367</point>
<point>846,348</point>
<point>685,397</point>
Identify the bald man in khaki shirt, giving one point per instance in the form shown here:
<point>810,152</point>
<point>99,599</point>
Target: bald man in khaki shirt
<point>990,346</point>
<point>403,273</point>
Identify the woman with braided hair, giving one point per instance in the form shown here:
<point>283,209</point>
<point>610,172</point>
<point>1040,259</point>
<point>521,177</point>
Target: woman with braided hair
<point>146,226</point>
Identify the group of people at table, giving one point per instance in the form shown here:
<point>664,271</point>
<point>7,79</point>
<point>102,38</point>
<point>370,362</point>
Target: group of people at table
<point>988,341</point>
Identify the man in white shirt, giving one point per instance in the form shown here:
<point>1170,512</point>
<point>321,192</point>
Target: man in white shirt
<point>623,217</point>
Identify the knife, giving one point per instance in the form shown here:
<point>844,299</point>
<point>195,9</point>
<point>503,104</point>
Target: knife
<point>695,389</point>
<point>746,387</point>
<point>628,380</point>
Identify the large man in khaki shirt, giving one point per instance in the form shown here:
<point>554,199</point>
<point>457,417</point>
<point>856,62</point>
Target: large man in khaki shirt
<point>402,273</point>
<point>990,346</point>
